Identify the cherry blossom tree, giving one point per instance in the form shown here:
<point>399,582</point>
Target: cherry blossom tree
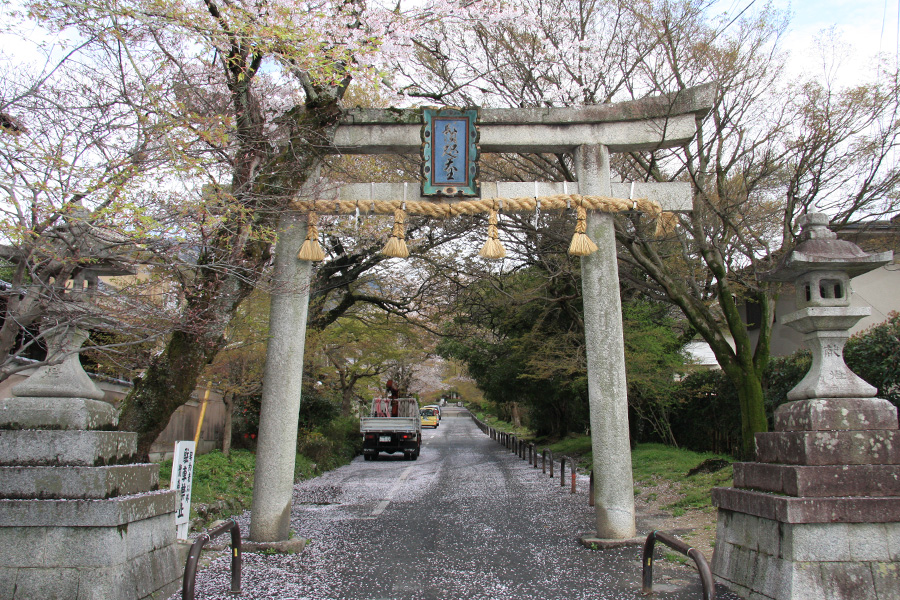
<point>243,98</point>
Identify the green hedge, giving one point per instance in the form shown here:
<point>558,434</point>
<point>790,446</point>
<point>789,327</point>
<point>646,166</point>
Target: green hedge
<point>706,416</point>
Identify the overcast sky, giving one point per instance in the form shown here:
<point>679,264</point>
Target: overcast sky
<point>867,27</point>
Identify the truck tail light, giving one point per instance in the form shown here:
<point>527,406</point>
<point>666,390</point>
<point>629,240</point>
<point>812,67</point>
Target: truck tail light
<point>370,436</point>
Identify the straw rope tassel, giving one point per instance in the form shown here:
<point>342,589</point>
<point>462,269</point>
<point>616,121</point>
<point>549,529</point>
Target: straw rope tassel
<point>492,247</point>
<point>581,244</point>
<point>396,244</point>
<point>311,249</point>
<point>666,223</point>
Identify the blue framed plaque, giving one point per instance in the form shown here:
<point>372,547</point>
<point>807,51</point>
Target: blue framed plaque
<point>450,152</point>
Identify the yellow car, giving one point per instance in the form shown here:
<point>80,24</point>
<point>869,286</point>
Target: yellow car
<point>429,417</point>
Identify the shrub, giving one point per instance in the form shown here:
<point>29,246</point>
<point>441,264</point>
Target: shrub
<point>315,410</point>
<point>782,374</point>
<point>707,414</point>
<point>315,446</point>
<point>331,444</point>
<point>874,355</point>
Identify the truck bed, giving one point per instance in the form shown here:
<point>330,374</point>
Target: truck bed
<point>388,424</point>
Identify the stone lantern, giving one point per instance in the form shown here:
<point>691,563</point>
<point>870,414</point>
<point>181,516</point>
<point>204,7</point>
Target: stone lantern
<point>818,514</point>
<point>820,268</point>
<point>79,517</point>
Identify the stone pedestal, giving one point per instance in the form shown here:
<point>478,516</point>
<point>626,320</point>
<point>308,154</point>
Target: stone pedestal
<point>78,520</point>
<point>818,515</point>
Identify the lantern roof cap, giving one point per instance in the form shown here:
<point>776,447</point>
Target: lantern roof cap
<point>819,249</point>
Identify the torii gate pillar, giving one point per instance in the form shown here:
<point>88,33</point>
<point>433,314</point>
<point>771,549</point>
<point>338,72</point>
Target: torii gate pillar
<point>276,452</point>
<point>605,349</point>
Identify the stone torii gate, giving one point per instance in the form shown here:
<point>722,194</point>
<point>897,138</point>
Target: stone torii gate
<point>590,133</point>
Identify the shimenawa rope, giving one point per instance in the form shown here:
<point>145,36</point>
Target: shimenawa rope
<point>581,244</point>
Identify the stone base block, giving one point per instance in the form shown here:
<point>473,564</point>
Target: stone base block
<point>155,576</point>
<point>787,509</point>
<point>42,447</point>
<point>829,414</point>
<point>77,482</point>
<point>872,447</point>
<point>133,560</point>
<point>113,512</point>
<point>590,540</point>
<point>765,559</point>
<point>56,413</point>
<point>819,481</point>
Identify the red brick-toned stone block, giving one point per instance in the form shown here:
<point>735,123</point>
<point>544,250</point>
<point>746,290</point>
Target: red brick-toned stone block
<point>819,481</point>
<point>880,447</point>
<point>787,509</point>
<point>830,414</point>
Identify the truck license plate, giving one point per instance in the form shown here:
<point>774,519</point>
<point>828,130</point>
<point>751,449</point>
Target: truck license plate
<point>384,438</point>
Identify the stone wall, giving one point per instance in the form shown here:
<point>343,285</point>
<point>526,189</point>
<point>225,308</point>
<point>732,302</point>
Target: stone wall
<point>762,558</point>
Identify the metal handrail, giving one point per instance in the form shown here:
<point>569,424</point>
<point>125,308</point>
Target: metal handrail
<point>190,567</point>
<point>528,451</point>
<point>706,577</point>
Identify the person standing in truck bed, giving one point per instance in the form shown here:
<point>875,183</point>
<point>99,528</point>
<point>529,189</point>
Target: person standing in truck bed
<point>394,394</point>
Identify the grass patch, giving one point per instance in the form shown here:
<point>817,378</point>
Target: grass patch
<point>676,558</point>
<point>578,447</point>
<point>656,463</point>
<point>505,426</point>
<point>223,485</point>
<point>652,464</point>
<point>218,480</point>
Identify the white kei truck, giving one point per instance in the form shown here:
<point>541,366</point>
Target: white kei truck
<point>383,432</point>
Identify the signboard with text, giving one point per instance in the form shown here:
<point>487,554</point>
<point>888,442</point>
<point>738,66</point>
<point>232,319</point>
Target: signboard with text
<point>449,152</point>
<point>182,477</point>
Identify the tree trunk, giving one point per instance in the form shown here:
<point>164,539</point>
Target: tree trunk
<point>514,414</point>
<point>753,408</point>
<point>215,296</point>
<point>228,400</point>
<point>347,401</point>
<point>166,385</point>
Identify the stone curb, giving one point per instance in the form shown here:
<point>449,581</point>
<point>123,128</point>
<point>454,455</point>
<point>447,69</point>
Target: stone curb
<point>86,513</point>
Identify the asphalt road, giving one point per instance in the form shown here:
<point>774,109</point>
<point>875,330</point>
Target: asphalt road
<point>467,520</point>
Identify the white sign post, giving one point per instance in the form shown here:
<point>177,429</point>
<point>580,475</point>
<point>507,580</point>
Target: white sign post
<point>182,476</point>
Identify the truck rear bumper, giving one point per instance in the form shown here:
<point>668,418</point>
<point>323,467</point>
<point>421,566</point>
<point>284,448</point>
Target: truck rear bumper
<point>390,448</point>
<point>377,443</point>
